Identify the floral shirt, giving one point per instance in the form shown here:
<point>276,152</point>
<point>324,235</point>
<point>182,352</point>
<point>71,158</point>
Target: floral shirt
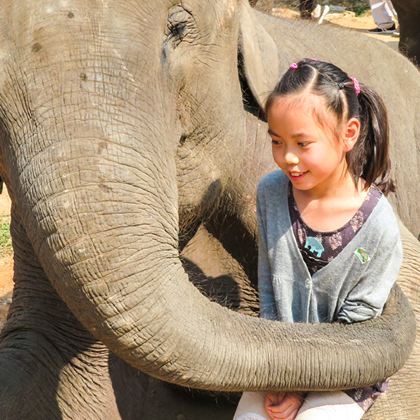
<point>319,248</point>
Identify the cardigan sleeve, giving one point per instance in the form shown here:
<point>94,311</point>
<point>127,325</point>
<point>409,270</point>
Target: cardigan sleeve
<point>265,285</point>
<point>367,299</point>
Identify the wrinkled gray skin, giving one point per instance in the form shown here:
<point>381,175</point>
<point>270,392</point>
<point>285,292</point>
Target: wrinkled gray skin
<point>408,12</point>
<point>129,138</point>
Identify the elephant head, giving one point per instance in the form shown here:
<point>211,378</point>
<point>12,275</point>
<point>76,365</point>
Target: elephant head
<point>124,126</point>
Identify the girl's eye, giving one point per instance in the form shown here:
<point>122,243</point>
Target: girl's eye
<point>276,142</point>
<point>303,143</point>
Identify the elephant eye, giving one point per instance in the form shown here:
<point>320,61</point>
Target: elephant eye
<point>180,25</point>
<point>178,30</point>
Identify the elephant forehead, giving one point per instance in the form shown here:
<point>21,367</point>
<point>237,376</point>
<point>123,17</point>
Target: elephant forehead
<point>222,13</point>
<point>52,6</point>
<point>227,11</point>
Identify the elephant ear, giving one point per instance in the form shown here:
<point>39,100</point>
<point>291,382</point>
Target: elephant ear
<point>258,56</point>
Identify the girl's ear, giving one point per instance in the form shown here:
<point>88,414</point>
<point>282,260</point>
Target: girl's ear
<point>351,133</point>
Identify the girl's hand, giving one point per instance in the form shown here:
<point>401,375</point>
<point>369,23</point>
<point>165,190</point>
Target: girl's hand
<point>272,399</point>
<point>283,405</point>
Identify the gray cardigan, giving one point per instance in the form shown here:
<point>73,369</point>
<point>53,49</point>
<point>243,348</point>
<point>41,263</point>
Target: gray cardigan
<point>352,287</point>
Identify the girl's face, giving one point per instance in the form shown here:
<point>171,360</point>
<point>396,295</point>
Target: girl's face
<point>310,152</point>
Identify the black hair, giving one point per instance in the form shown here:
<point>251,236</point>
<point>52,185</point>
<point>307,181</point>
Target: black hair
<point>369,158</point>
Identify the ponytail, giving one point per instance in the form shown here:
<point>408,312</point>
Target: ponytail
<point>369,158</point>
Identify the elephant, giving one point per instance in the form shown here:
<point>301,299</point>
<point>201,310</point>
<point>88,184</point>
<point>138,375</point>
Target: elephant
<point>131,143</point>
<point>408,12</point>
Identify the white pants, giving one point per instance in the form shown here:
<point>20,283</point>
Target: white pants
<point>317,406</point>
<point>382,12</point>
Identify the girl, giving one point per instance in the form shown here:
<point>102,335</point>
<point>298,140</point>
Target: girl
<point>329,245</point>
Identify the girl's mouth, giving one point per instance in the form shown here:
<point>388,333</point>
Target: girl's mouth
<point>297,175</point>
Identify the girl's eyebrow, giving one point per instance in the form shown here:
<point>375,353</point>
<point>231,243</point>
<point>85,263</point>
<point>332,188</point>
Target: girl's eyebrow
<point>272,133</point>
<point>297,135</point>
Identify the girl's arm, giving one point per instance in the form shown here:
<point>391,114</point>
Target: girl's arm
<point>265,285</point>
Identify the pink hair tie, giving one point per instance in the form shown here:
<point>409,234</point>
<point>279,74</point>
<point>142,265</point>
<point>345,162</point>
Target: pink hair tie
<point>293,66</point>
<point>356,85</point>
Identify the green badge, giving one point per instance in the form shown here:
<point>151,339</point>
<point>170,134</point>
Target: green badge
<point>362,255</point>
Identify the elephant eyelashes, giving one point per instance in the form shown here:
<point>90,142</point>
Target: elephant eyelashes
<point>180,23</point>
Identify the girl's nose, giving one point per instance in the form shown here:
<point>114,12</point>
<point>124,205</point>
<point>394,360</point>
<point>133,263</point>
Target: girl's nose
<point>291,158</point>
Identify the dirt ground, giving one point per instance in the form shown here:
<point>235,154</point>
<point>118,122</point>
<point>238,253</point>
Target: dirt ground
<point>6,262</point>
<point>346,19</point>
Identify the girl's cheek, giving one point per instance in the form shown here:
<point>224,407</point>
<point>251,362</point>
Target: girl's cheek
<point>277,157</point>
